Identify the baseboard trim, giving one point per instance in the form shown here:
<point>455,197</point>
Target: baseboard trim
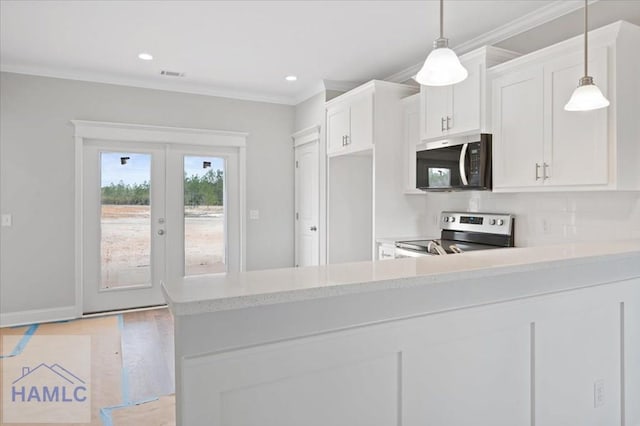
<point>11,319</point>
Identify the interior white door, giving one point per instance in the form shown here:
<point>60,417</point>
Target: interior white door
<point>123,225</point>
<point>306,203</point>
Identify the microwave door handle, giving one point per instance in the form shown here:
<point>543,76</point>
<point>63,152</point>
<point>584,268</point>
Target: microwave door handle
<point>463,160</point>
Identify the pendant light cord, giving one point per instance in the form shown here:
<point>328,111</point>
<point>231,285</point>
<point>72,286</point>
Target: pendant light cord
<point>441,18</point>
<point>586,46</point>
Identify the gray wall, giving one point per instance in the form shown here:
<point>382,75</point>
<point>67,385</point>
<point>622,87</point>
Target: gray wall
<point>37,174</point>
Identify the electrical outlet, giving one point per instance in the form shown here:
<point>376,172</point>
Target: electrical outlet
<point>6,220</point>
<point>545,226</point>
<point>598,393</point>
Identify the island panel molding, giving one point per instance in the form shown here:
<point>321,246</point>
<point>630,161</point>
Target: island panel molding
<point>408,348</point>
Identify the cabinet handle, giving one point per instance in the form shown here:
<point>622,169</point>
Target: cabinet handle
<point>449,120</point>
<point>537,171</point>
<point>442,120</point>
<point>544,171</point>
<point>343,142</point>
<point>346,140</point>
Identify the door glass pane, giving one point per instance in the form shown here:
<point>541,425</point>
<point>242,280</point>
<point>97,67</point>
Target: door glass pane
<point>204,218</point>
<point>125,245</point>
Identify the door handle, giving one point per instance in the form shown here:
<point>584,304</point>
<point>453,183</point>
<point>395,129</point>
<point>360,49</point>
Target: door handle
<point>545,166</point>
<point>463,160</point>
<point>313,228</point>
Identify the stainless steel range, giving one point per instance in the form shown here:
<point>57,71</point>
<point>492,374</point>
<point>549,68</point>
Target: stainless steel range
<point>462,232</point>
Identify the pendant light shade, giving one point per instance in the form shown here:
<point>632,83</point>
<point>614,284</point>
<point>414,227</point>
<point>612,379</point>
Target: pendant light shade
<point>442,67</point>
<point>587,96</point>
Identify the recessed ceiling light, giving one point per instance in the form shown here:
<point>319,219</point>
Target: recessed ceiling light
<point>145,56</point>
<point>291,78</point>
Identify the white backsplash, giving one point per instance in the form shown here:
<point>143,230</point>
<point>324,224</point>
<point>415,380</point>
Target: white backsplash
<point>549,218</point>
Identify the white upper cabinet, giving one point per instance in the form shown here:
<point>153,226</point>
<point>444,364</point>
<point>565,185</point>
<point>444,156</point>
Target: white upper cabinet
<point>435,108</point>
<point>338,127</point>
<point>539,146</point>
<point>350,123</point>
<point>361,135</point>
<point>519,115</point>
<point>461,108</point>
<point>576,150</point>
<point>366,169</point>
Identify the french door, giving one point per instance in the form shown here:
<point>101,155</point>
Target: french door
<point>152,212</point>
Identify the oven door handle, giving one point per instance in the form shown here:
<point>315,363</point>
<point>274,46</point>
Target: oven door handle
<point>404,252</point>
<point>463,159</point>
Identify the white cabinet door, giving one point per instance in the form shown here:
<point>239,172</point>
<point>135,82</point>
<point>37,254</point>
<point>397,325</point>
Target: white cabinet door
<point>464,111</point>
<point>337,128</point>
<point>518,120</point>
<point>361,134</point>
<point>435,104</point>
<point>577,142</point>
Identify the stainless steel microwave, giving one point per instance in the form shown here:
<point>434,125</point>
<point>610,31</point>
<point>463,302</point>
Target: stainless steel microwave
<point>456,164</point>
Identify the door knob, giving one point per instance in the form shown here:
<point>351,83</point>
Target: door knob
<point>313,228</point>
<point>160,231</point>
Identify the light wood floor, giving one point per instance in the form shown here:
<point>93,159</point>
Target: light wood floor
<point>148,353</point>
<point>132,363</point>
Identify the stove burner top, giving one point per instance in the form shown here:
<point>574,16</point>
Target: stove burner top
<point>450,246</point>
<point>462,232</point>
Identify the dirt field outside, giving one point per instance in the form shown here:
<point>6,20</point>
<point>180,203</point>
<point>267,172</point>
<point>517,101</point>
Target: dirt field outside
<point>126,238</point>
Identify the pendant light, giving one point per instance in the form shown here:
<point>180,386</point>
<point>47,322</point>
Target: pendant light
<point>587,95</point>
<point>442,67</point>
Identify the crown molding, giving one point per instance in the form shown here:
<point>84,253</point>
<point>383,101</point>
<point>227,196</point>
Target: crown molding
<point>524,23</point>
<point>340,86</point>
<point>324,85</point>
<point>517,26</point>
<point>306,94</point>
<point>174,86</point>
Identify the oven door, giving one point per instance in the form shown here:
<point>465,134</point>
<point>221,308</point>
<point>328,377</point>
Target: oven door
<point>455,164</point>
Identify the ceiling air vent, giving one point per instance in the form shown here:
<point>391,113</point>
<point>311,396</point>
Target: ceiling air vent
<point>171,73</point>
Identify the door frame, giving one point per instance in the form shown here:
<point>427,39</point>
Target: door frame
<point>127,132</point>
<point>313,135</point>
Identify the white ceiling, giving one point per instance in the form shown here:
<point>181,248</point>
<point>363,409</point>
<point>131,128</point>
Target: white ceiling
<point>245,49</point>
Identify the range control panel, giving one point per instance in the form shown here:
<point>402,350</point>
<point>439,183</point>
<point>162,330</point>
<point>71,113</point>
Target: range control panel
<point>490,223</point>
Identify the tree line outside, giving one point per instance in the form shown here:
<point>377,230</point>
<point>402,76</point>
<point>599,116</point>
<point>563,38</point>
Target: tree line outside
<point>205,190</point>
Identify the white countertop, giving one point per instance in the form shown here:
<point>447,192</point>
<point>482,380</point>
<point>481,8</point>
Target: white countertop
<point>212,293</point>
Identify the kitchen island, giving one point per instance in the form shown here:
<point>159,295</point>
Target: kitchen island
<point>519,336</point>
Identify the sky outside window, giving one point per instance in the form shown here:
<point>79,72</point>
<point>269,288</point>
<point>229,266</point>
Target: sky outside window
<point>138,167</point>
